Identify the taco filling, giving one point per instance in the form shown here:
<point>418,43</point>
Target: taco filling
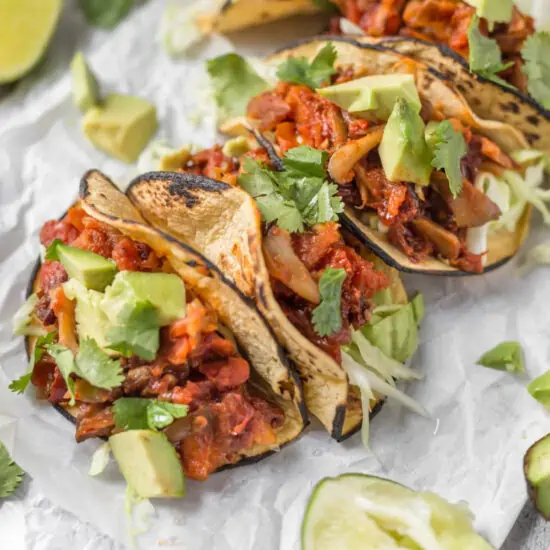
<point>411,162</point>
<point>163,347</point>
<point>445,22</point>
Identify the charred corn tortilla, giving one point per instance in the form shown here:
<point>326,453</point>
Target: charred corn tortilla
<point>372,58</point>
<point>272,374</point>
<point>224,224</point>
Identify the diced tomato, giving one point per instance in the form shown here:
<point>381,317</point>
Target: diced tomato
<point>193,394</point>
<point>285,134</point>
<point>312,246</point>
<point>227,374</point>
<point>51,275</point>
<point>270,109</point>
<point>75,217</point>
<point>131,255</point>
<point>62,230</point>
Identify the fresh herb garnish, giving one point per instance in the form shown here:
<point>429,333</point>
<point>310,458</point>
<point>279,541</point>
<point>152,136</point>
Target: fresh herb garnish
<point>106,14</point>
<point>137,332</point>
<point>11,474</point>
<point>95,366</point>
<point>537,67</point>
<point>20,384</point>
<point>485,55</point>
<point>137,413</point>
<point>327,316</point>
<point>51,254</point>
<point>506,356</point>
<point>449,148</point>
<point>235,83</point>
<point>299,70</point>
<point>299,196</point>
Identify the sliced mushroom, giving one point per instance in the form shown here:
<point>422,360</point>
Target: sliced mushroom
<point>284,265</point>
<point>444,241</point>
<point>343,160</point>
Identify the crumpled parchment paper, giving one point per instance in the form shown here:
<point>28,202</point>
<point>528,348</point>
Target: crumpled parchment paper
<point>482,420</point>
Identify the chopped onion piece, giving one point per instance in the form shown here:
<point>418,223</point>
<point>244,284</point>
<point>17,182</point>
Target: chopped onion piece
<point>348,27</point>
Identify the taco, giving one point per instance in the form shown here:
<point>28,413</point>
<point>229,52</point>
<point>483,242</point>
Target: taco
<point>342,314</point>
<point>128,329</point>
<point>429,186</point>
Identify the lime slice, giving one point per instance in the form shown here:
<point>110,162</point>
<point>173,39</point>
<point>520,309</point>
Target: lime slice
<point>360,512</point>
<point>26,27</point>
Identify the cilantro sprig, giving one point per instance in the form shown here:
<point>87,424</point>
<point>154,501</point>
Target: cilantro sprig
<point>297,197</point>
<point>485,55</point>
<point>137,413</point>
<point>11,474</point>
<point>449,148</point>
<point>20,384</point>
<point>537,67</point>
<point>299,70</point>
<point>90,363</point>
<point>327,316</point>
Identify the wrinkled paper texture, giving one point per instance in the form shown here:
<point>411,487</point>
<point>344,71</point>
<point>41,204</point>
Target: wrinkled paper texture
<point>482,422</point>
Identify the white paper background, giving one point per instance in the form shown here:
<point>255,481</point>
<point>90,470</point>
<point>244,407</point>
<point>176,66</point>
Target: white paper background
<point>482,421</point>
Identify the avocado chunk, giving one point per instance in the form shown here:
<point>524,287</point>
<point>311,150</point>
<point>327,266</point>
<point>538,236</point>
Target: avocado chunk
<point>403,150</point>
<point>121,126</point>
<point>175,160</point>
<point>539,388</point>
<point>537,474</point>
<point>149,463</point>
<point>236,147</point>
<point>91,321</point>
<point>377,93</point>
<point>495,11</point>
<point>92,270</point>
<point>165,291</point>
<point>85,87</point>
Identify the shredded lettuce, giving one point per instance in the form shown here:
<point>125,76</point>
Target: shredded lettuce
<point>23,318</point>
<point>100,459</point>
<point>138,513</point>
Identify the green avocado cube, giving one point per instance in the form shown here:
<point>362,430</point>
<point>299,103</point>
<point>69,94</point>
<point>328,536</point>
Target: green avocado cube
<point>537,474</point>
<point>121,126</point>
<point>164,291</point>
<point>403,150</point>
<point>377,93</point>
<point>149,463</point>
<point>92,270</point>
<point>85,87</point>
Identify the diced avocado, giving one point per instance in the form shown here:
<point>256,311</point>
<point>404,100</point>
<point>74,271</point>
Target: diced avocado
<point>94,271</point>
<point>175,160</point>
<point>164,291</point>
<point>149,463</point>
<point>85,87</point>
<point>377,93</point>
<point>495,11</point>
<point>403,150</point>
<point>122,126</point>
<point>537,474</point>
<point>91,320</point>
<point>539,388</point>
<point>236,147</point>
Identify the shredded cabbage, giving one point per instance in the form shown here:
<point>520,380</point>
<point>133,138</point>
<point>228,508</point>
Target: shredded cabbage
<point>179,29</point>
<point>138,513</point>
<point>100,459</point>
<point>23,317</point>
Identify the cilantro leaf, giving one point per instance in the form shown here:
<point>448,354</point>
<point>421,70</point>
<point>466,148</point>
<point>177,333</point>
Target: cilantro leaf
<point>301,195</point>
<point>299,70</point>
<point>306,161</point>
<point>11,474</point>
<point>137,413</point>
<point>485,55</point>
<point>137,332</point>
<point>449,148</point>
<point>327,316</point>
<point>537,67</point>
<point>20,384</point>
<point>506,356</point>
<point>106,14</point>
<point>235,83</point>
<point>95,366</point>
<point>64,359</point>
<point>51,252</point>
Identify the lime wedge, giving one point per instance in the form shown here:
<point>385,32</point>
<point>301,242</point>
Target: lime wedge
<point>360,512</point>
<point>26,27</point>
